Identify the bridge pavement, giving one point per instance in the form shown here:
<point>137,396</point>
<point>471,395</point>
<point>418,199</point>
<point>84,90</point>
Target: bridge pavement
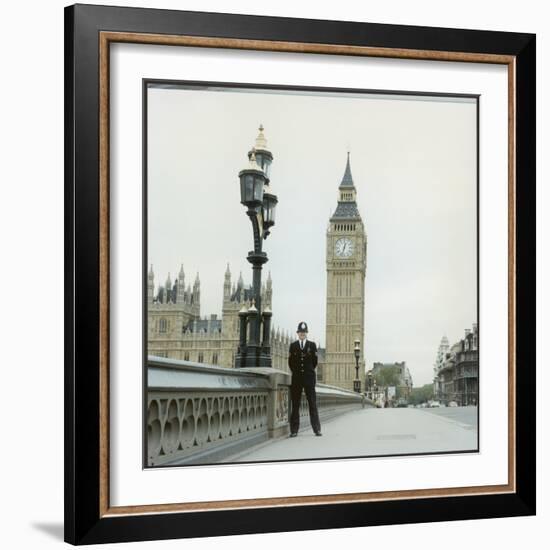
<point>376,432</point>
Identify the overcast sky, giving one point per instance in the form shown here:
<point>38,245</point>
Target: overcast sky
<point>413,162</point>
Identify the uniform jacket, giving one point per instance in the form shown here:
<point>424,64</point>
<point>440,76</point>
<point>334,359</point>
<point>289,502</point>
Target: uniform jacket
<point>302,364</point>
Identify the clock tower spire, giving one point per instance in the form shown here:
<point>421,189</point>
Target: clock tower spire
<point>346,263</point>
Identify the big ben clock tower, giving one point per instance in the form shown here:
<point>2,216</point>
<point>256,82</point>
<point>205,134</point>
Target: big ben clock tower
<point>346,268</point>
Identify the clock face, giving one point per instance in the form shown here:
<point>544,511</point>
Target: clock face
<point>344,247</point>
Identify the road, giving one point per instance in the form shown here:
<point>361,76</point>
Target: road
<point>464,415</point>
<point>376,432</point>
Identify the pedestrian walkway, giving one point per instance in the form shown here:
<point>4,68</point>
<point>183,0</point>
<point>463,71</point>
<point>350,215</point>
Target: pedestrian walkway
<point>370,432</point>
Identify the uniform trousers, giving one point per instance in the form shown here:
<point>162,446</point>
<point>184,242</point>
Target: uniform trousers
<point>298,384</point>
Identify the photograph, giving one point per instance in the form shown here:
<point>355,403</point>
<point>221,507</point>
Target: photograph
<point>310,273</point>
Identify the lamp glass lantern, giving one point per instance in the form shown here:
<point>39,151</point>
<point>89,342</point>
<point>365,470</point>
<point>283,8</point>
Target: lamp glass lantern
<point>252,186</point>
<point>269,205</point>
<point>264,158</point>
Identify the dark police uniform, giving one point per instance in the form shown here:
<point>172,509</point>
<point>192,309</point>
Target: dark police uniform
<point>302,363</point>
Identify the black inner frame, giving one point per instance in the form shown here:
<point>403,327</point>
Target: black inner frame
<point>83,523</point>
<point>234,86</point>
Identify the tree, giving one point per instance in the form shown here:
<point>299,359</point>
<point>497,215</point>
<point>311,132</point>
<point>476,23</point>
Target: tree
<point>421,394</point>
<point>388,376</point>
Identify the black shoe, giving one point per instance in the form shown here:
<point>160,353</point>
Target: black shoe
<point>318,433</point>
<point>293,434</point>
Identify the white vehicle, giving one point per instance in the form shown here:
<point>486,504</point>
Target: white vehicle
<point>453,404</point>
<point>434,404</point>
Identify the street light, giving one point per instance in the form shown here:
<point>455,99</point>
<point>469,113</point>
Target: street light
<point>260,204</point>
<point>369,382</point>
<point>357,353</point>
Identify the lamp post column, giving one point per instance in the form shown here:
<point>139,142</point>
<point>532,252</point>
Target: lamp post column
<point>241,352</point>
<point>254,355</point>
<point>357,353</point>
<point>252,347</point>
<point>369,378</point>
<point>265,357</point>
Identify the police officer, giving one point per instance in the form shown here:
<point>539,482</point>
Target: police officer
<point>302,360</point>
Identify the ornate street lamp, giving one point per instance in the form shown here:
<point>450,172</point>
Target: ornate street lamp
<point>260,203</point>
<point>357,353</point>
<point>368,382</point>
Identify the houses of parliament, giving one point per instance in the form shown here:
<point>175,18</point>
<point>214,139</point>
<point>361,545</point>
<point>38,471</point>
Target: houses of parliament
<point>177,330</point>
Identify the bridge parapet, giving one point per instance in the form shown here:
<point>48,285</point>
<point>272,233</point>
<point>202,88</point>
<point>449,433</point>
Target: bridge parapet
<point>200,414</point>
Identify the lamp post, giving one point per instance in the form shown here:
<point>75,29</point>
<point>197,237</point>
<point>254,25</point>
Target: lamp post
<point>369,380</point>
<point>260,203</point>
<point>357,353</point>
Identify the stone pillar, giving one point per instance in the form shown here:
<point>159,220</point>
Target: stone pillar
<point>278,409</point>
<point>278,400</point>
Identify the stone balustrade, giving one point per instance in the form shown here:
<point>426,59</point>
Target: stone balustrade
<point>200,414</point>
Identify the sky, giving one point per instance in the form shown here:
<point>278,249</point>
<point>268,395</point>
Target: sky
<point>413,161</point>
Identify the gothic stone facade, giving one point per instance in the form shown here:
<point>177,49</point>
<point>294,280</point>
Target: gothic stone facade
<point>458,373</point>
<point>177,330</point>
<point>346,264</point>
<point>440,359</point>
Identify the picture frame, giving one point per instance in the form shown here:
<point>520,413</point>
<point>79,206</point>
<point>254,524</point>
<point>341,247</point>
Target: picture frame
<point>90,32</point>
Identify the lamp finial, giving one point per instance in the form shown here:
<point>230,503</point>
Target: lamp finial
<point>261,142</point>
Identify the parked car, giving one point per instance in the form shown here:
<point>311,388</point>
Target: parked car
<point>453,404</point>
<point>434,404</point>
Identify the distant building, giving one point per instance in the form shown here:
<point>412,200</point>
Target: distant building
<point>458,373</point>
<point>439,362</point>
<point>405,383</point>
<point>177,330</point>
